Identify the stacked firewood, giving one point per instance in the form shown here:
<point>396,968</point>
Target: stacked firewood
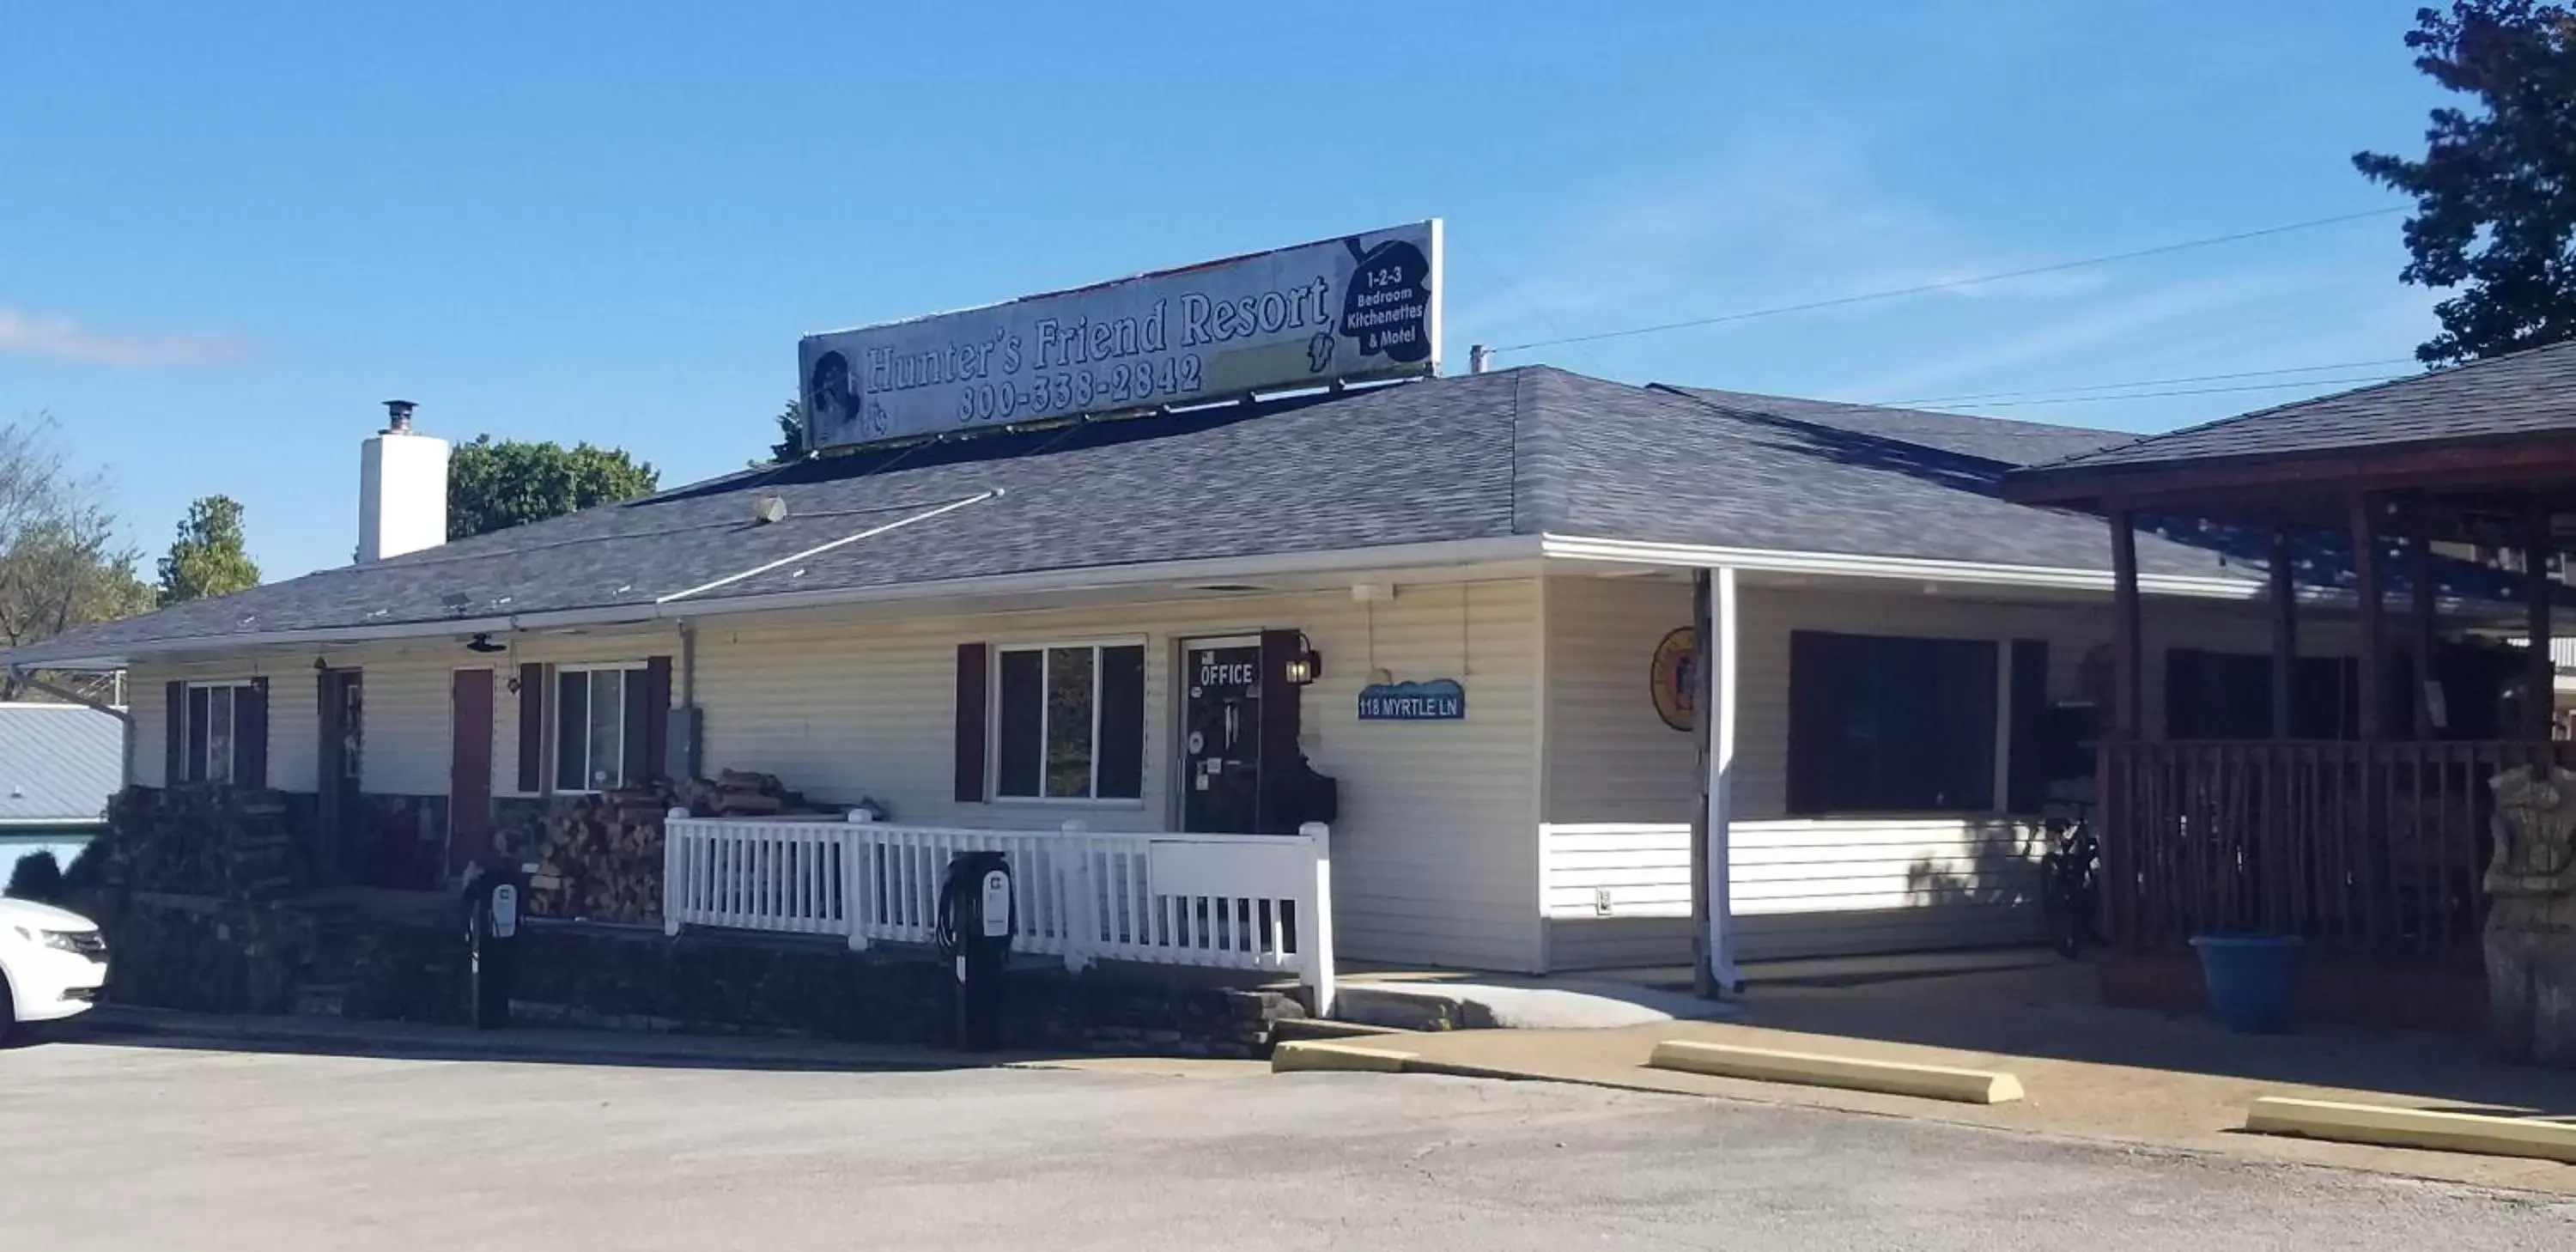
<point>601,856</point>
<point>739,793</point>
<point>203,838</point>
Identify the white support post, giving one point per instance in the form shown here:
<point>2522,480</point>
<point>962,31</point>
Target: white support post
<point>858,896</point>
<point>2003,725</point>
<point>1318,964</point>
<point>1081,899</point>
<point>1719,708</point>
<point>674,890</point>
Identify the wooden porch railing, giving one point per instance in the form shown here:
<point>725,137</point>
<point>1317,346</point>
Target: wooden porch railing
<point>1249,902</point>
<point>2370,851</point>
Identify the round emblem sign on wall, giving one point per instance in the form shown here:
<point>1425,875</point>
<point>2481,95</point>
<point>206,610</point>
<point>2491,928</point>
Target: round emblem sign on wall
<point>1674,688</point>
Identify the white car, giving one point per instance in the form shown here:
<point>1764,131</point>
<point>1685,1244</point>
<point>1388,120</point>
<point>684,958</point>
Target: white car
<point>52,963</point>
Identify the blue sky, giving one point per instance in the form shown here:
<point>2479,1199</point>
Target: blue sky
<point>227,231</point>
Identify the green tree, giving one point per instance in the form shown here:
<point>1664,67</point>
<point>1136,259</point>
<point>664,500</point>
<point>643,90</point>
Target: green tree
<point>791,434</point>
<point>61,564</point>
<point>494,486</point>
<point>209,557</point>
<point>2495,195</point>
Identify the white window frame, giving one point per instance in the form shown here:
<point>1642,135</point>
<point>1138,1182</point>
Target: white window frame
<point>993,725</point>
<point>191,750</point>
<point>554,723</point>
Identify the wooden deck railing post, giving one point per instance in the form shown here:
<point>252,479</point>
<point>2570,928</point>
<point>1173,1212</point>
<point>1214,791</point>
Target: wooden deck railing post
<point>2370,768</point>
<point>2285,635</point>
<point>2219,835</point>
<point>2120,795</point>
<point>2540,673</point>
<point>2425,620</point>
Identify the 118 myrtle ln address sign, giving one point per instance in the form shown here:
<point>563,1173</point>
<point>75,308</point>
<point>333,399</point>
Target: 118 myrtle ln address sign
<point>1357,307</point>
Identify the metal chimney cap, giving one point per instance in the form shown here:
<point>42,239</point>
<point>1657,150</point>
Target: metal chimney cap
<point>398,414</point>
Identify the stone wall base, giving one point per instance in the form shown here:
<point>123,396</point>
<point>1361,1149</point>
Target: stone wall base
<point>215,955</point>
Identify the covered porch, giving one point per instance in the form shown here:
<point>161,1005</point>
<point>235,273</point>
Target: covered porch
<point>2347,805</point>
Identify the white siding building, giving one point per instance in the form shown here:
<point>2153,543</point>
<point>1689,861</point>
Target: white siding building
<point>1906,650</point>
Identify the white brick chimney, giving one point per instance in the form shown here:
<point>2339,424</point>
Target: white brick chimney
<point>402,489</point>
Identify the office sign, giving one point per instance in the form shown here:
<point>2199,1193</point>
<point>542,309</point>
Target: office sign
<point>1357,307</point>
<point>1438,700</point>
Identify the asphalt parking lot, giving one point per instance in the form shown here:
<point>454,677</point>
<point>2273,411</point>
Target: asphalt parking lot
<point>123,1144</point>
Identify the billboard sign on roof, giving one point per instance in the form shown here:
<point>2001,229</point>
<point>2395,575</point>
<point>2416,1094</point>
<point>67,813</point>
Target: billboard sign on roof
<point>1357,307</point>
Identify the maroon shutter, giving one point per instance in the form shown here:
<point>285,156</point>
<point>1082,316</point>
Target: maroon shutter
<point>331,764</point>
<point>201,735</point>
<point>532,729</point>
<point>1812,733</point>
<point>974,696</point>
<point>250,735</point>
<point>2027,771</point>
<point>1281,719</point>
<point>657,717</point>
<point>174,717</point>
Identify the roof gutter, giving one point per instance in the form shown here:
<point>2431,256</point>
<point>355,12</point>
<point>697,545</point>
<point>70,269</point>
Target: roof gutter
<point>1575,548</point>
<point>1914,569</point>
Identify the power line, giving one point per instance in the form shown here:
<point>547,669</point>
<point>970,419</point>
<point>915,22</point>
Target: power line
<point>2151,382</point>
<point>1513,290</point>
<point>2192,391</point>
<point>1952,284</point>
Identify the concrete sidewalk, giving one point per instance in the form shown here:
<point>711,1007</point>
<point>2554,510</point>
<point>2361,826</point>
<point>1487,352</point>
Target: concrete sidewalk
<point>2090,1072</point>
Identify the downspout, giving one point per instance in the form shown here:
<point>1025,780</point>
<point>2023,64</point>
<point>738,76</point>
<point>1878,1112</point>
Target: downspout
<point>693,723</point>
<point>688,664</point>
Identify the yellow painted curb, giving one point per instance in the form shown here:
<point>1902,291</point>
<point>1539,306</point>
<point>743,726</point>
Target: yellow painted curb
<point>2414,1128</point>
<point>1308,1055</point>
<point>1937,1082</point>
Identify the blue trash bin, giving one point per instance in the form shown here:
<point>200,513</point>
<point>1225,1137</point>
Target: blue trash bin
<point>2253,979</point>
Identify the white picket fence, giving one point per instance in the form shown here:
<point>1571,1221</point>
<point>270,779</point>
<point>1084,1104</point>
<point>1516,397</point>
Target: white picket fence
<point>1250,902</point>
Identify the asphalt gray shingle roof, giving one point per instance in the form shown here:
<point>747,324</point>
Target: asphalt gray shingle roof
<point>2520,394</point>
<point>1519,452</point>
<point>59,763</point>
<point>1994,439</point>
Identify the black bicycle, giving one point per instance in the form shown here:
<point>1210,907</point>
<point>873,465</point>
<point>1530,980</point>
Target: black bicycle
<point>2070,884</point>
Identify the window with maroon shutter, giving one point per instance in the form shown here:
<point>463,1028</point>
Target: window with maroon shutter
<point>225,735</point>
<point>604,726</point>
<point>1888,724</point>
<point>1071,722</point>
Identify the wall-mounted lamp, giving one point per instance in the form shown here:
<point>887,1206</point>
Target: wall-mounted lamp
<point>1306,665</point>
<point>483,644</point>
